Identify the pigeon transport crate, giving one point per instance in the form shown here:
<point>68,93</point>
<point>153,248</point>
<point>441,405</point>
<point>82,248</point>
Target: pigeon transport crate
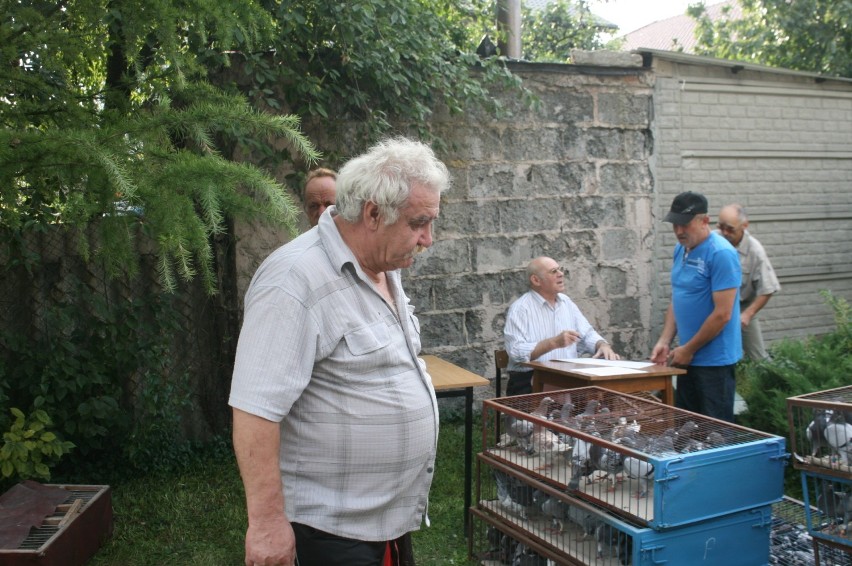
<point>821,431</point>
<point>790,543</point>
<point>828,554</point>
<point>828,506</point>
<point>645,461</point>
<point>71,535</point>
<point>492,542</point>
<point>551,522</point>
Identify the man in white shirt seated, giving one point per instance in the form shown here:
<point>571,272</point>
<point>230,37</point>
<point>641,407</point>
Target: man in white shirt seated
<point>544,324</point>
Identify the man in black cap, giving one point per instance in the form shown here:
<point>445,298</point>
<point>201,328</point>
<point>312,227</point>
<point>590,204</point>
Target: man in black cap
<point>704,312</point>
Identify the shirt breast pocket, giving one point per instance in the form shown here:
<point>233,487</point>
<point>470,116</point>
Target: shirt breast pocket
<point>368,339</point>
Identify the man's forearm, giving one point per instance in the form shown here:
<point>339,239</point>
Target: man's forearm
<point>758,303</point>
<point>257,446</point>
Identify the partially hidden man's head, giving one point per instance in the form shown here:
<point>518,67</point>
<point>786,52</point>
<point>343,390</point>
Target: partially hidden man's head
<point>395,190</point>
<point>320,193</point>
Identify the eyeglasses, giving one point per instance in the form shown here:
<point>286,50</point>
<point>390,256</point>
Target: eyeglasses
<point>726,227</point>
<point>555,270</point>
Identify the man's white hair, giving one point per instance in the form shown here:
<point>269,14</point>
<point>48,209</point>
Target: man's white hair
<point>385,174</point>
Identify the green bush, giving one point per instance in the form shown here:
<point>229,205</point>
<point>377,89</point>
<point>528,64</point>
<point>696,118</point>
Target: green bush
<point>796,367</point>
<point>30,448</point>
<point>103,371</point>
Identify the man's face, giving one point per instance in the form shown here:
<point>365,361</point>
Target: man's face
<point>550,278</point>
<point>730,226</point>
<point>691,234</point>
<point>399,242</point>
<point>319,194</point>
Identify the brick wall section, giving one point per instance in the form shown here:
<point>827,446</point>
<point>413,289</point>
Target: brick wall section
<point>780,144</point>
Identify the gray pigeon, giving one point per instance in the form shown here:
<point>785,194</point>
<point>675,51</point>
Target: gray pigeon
<point>838,435</point>
<point>815,432</point>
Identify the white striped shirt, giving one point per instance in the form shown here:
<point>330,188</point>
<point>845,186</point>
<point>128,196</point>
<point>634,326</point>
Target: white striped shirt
<point>531,319</point>
<point>322,353</point>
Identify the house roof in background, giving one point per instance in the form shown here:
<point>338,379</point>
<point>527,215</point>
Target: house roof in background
<point>678,32</point>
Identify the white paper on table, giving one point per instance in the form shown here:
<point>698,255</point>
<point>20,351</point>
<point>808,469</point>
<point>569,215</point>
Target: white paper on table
<point>601,371</point>
<point>607,363</point>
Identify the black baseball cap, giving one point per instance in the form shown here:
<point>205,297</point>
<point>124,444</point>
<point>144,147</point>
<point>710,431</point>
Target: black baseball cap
<point>684,208</point>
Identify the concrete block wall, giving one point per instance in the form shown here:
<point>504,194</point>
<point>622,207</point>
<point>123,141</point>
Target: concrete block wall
<point>780,143</point>
<point>568,180</point>
<point>587,176</point>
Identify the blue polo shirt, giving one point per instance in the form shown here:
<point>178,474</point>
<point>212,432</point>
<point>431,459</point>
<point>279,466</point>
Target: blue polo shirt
<point>713,265</point>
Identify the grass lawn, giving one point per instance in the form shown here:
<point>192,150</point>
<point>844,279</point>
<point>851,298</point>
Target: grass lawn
<point>197,516</point>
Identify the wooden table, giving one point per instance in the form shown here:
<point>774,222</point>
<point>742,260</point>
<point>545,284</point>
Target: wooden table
<point>450,380</point>
<point>564,375</point>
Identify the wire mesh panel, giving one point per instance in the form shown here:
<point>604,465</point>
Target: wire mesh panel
<point>821,431</point>
<point>495,543</point>
<point>645,461</point>
<point>829,511</point>
<point>790,542</point>
<point>553,523</point>
<point>827,554</point>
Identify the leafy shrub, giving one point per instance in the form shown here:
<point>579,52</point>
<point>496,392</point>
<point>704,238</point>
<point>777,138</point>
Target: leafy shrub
<point>29,447</point>
<point>103,371</point>
<point>796,367</point>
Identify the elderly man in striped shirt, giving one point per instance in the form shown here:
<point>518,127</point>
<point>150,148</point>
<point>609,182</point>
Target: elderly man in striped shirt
<point>544,324</point>
<point>335,417</point>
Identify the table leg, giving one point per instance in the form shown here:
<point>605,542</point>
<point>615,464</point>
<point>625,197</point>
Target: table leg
<point>468,451</point>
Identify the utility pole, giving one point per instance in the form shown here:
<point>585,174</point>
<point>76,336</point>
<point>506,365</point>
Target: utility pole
<point>509,27</point>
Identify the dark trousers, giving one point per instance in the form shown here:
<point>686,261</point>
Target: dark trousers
<point>317,548</point>
<point>520,383</point>
<point>708,390</point>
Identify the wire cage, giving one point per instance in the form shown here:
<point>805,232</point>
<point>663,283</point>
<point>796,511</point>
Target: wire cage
<point>828,554</point>
<point>829,508</point>
<point>821,431</point>
<point>551,523</point>
<point>790,542</point>
<point>647,462</point>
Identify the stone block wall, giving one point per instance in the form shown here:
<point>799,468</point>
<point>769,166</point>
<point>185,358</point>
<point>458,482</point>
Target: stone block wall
<point>586,177</point>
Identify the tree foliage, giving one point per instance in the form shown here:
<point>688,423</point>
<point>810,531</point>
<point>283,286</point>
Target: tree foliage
<point>108,121</point>
<point>807,35</point>
<point>549,34</point>
<point>374,63</point>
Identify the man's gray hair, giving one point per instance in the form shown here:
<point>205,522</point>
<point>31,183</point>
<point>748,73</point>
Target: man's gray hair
<point>385,174</point>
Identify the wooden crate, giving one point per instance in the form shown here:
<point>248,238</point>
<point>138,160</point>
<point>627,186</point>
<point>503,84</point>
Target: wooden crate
<point>72,535</point>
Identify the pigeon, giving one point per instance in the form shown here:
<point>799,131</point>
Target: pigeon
<point>513,495</point>
<point>558,511</point>
<point>608,461</point>
<point>838,435</point>
<point>518,432</point>
<point>641,470</point>
<point>815,432</point>
<point>547,443</point>
<point>541,410</point>
<point>617,543</point>
<point>684,437</point>
<point>714,439</point>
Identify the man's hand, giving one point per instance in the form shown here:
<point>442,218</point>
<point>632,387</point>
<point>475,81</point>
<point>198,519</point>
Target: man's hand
<point>566,338</point>
<point>270,543</point>
<point>660,354</point>
<point>680,357</point>
<point>745,319</point>
<point>606,352</point>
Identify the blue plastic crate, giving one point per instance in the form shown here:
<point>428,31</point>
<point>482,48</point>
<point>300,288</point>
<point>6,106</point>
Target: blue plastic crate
<point>571,531</point>
<point>678,483</point>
